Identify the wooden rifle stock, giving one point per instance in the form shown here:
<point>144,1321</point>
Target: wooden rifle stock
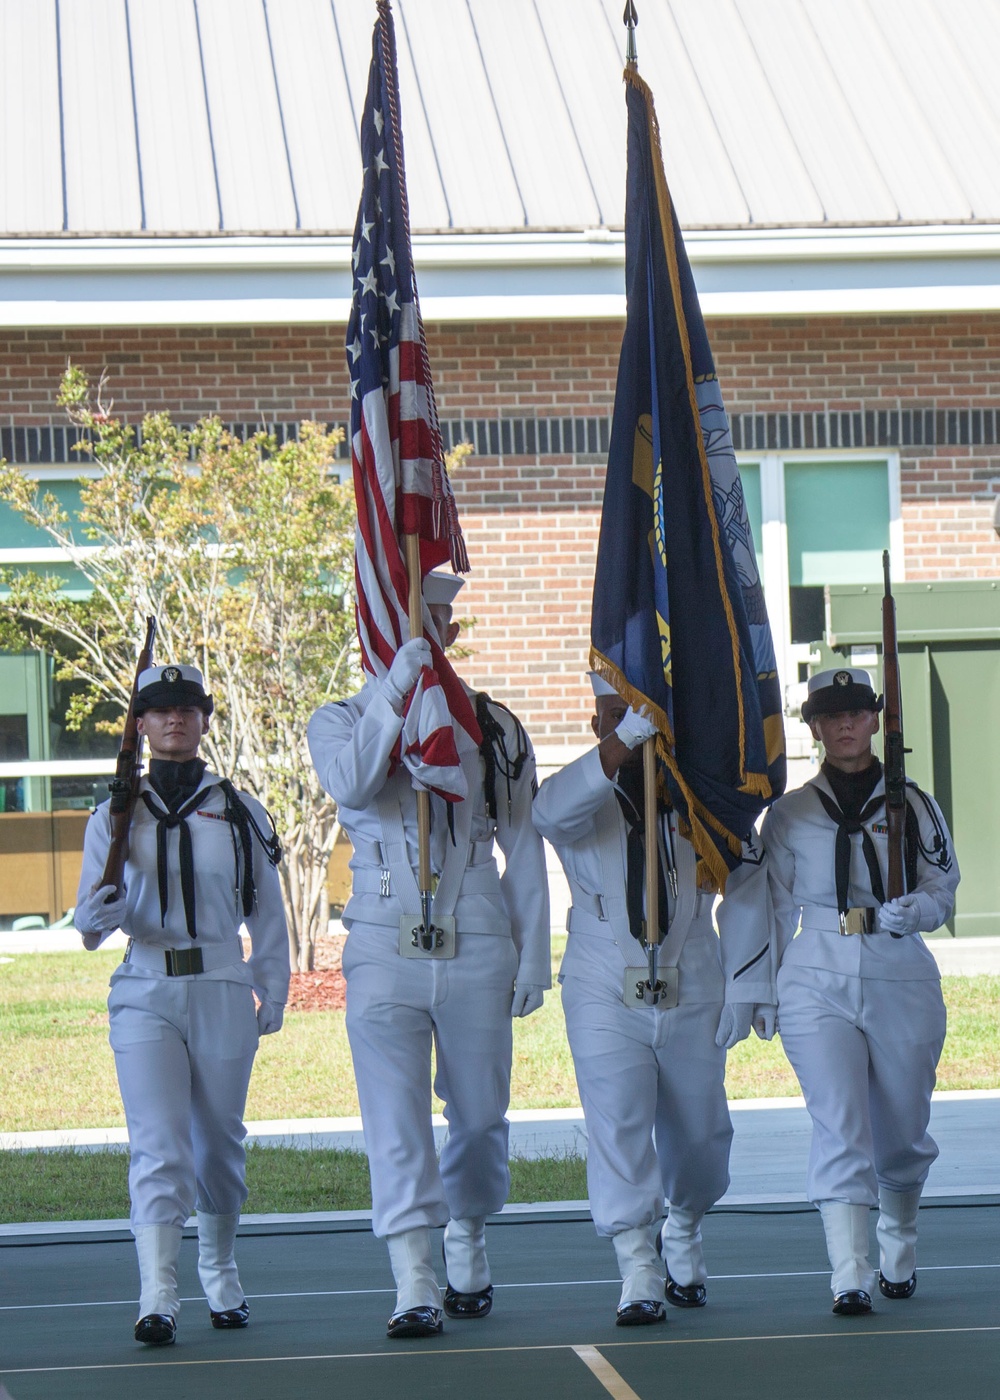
<point>125,786</point>
<point>894,761</point>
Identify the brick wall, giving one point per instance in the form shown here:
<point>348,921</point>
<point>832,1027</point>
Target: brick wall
<point>903,363</point>
<point>531,519</point>
<point>534,648</point>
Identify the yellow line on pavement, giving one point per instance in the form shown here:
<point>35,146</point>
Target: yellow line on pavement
<point>606,1373</point>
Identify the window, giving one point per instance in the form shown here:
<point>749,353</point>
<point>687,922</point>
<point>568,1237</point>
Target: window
<point>16,533</point>
<point>13,749</point>
<point>818,519</point>
<point>44,766</point>
<point>837,517</point>
<point>21,543</point>
<point>750,476</point>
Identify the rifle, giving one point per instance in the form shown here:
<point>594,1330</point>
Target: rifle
<point>894,755</point>
<point>125,786</point>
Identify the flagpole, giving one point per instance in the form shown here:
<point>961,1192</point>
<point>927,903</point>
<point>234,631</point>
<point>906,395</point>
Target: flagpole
<point>423,796</point>
<point>652,866</point>
<point>630,19</point>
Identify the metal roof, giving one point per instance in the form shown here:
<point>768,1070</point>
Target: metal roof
<point>185,117</point>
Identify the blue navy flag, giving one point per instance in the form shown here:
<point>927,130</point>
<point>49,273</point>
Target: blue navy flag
<point>679,622</point>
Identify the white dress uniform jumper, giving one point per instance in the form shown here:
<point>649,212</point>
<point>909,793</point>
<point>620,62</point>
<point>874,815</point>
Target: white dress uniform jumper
<point>184,1029</point>
<point>400,1001</point>
<point>651,1079</point>
<point>860,1012</point>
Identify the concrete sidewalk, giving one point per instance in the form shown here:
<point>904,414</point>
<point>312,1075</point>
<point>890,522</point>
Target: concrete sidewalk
<point>770,1145</point>
<point>956,957</point>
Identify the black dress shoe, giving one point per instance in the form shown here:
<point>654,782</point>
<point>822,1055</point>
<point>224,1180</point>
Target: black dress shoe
<point>897,1290</point>
<point>232,1317</point>
<point>415,1322</point>
<point>853,1302</point>
<point>155,1330</point>
<point>467,1305</point>
<point>641,1314</point>
<point>691,1295</point>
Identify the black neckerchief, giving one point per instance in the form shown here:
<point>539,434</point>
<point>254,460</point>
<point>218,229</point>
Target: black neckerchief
<point>629,792</point>
<point>850,814</point>
<point>173,783</point>
<point>852,790</point>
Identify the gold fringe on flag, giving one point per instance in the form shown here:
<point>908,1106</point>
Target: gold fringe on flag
<point>700,818</point>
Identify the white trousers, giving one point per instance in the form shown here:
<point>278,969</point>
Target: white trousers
<point>652,1086</point>
<point>184,1049</point>
<point>865,1051</point>
<point>397,1009</point>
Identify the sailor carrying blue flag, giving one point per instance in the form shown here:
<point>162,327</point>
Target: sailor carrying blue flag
<point>658,816</point>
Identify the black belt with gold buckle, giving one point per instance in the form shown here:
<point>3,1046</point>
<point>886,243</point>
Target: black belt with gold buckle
<point>183,962</point>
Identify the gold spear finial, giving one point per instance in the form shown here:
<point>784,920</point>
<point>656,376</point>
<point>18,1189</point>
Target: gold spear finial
<point>630,19</point>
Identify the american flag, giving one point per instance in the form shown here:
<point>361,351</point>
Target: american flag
<point>400,483</point>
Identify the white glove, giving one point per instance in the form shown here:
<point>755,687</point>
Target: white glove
<point>734,1024</point>
<point>409,661</point>
<point>92,915</point>
<point>900,915</point>
<point>636,728</point>
<point>270,1015</point>
<point>765,1018</point>
<point>527,998</point>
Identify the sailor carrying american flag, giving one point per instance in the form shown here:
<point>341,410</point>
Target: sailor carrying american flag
<point>442,949</point>
<point>400,482</point>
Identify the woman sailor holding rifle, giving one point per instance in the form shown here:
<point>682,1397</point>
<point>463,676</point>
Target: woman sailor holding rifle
<point>201,862</point>
<point>860,1011</point>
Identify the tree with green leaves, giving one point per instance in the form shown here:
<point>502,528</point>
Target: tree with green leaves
<point>243,551</point>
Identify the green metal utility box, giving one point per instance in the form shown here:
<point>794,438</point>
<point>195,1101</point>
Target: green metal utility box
<point>949,664</point>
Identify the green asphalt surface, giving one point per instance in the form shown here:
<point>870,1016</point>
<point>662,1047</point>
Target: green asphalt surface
<point>320,1296</point>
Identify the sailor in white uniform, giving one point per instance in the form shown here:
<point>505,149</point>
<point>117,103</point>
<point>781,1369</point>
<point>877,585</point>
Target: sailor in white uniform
<point>458,998</point>
<point>651,1078</point>
<point>860,1010</point>
<point>184,1029</point>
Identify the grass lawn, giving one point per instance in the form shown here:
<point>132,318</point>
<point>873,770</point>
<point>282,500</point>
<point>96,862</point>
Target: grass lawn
<point>59,1070</point>
<point>94,1185</point>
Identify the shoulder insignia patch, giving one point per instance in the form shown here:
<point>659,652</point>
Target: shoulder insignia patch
<point>753,851</point>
